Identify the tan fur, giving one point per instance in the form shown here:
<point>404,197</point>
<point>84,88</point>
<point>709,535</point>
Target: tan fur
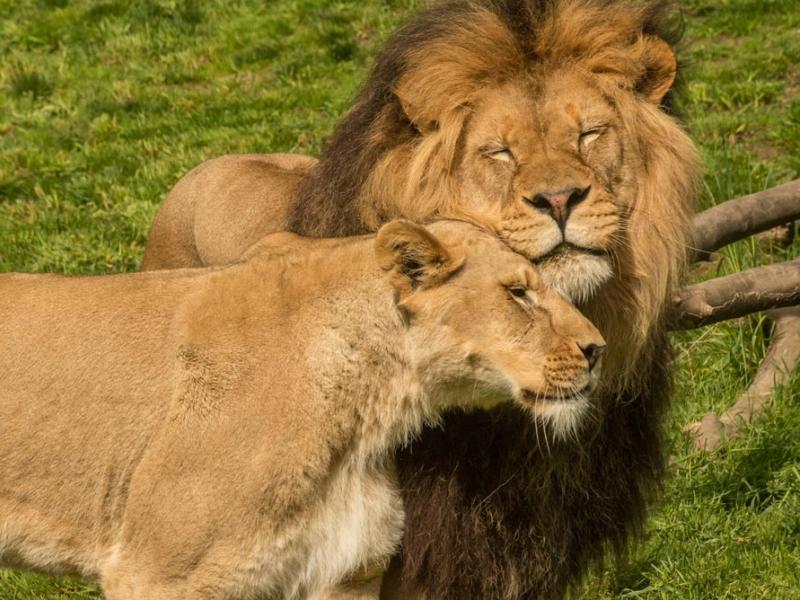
<point>224,433</point>
<point>246,192</point>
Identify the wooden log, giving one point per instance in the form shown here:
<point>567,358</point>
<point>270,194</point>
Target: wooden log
<point>776,369</point>
<point>753,290</point>
<point>742,217</point>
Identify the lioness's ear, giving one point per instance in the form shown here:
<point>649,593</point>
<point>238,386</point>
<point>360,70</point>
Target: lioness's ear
<point>660,66</point>
<point>413,256</point>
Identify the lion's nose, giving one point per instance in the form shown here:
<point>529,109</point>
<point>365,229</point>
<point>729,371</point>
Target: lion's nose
<point>593,352</point>
<point>560,203</point>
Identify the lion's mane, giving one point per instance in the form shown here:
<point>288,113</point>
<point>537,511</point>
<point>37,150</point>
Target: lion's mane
<point>494,510</point>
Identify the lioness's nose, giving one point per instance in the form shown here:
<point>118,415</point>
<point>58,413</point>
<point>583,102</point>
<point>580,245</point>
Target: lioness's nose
<point>593,352</point>
<point>559,203</point>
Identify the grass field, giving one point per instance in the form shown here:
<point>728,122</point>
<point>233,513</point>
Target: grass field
<point>103,105</point>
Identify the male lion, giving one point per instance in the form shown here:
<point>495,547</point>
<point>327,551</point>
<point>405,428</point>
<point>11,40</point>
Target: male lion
<point>544,119</point>
<point>227,433</point>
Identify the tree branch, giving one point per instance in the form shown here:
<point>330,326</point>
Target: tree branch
<point>750,291</point>
<point>742,217</point>
<point>780,361</point>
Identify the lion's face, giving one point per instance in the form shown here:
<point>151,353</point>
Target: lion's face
<point>490,329</point>
<point>544,161</point>
<point>555,138</point>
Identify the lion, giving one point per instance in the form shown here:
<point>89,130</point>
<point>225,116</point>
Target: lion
<point>228,432</point>
<point>548,120</point>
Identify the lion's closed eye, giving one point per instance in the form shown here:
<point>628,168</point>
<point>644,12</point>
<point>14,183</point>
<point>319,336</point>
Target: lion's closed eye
<point>498,150</point>
<point>589,135</point>
<point>503,155</point>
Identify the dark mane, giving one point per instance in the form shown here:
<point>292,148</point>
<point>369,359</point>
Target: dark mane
<point>327,200</point>
<point>494,510</point>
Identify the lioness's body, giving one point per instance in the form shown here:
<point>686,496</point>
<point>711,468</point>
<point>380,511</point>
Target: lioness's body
<point>221,433</point>
<point>154,410</point>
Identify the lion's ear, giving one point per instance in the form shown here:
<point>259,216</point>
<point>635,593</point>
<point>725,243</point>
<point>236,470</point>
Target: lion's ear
<point>413,256</point>
<point>421,115</point>
<point>660,69</point>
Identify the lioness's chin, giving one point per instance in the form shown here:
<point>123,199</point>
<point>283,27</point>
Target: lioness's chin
<point>578,275</point>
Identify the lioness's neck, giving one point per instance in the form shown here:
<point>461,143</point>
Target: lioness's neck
<point>360,356</point>
<point>366,364</point>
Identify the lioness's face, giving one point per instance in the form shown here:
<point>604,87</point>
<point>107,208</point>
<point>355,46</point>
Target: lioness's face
<point>491,330</point>
<point>543,161</point>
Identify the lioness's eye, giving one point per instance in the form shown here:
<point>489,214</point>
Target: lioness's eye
<point>587,137</point>
<point>520,293</point>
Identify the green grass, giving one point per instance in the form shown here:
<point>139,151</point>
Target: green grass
<point>103,105</point>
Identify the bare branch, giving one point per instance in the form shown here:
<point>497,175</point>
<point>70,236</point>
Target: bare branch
<point>753,290</point>
<point>780,361</point>
<point>742,217</point>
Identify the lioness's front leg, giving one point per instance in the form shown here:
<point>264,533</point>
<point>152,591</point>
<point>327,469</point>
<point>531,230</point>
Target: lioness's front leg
<point>365,586</point>
<point>134,584</point>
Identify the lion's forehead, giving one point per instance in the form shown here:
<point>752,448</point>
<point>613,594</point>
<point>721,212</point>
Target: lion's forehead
<point>565,93</point>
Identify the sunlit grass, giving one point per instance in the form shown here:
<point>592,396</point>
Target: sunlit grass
<point>104,105</point>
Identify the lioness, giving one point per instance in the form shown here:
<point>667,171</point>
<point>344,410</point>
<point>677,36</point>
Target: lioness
<point>222,433</point>
<point>547,118</point>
